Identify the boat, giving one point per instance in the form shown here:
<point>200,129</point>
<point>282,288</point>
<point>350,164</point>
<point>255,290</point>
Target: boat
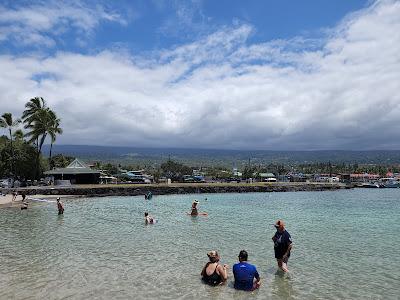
<point>137,176</point>
<point>390,182</point>
<point>368,185</point>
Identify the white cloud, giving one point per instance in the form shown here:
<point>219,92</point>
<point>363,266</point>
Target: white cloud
<point>41,24</point>
<point>222,92</point>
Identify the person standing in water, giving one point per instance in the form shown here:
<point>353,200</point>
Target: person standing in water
<point>282,245</point>
<point>60,206</point>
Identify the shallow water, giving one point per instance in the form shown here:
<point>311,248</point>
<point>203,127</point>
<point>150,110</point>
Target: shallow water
<point>346,246</point>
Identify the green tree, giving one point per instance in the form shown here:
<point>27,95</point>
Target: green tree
<point>175,170</point>
<point>33,109</point>
<point>18,135</point>
<point>33,106</point>
<point>61,161</point>
<point>41,122</point>
<point>54,130</point>
<point>7,122</point>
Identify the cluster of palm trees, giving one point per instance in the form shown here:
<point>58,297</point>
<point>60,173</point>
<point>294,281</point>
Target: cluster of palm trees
<point>39,121</point>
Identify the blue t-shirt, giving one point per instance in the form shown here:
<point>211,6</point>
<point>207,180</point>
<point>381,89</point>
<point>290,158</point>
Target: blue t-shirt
<point>244,274</point>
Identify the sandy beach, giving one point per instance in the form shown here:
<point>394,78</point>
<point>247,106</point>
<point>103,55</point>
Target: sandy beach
<point>7,200</point>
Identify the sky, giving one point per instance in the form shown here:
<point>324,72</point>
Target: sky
<point>226,74</point>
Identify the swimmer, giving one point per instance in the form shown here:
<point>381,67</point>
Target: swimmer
<point>213,273</point>
<point>194,212</point>
<point>148,196</point>
<point>148,219</point>
<point>60,206</point>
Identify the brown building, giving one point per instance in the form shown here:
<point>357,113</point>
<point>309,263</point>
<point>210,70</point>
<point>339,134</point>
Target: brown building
<point>76,172</point>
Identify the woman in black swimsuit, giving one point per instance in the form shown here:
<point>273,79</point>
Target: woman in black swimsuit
<point>213,273</point>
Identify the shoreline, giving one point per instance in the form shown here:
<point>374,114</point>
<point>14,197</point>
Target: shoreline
<point>177,188</point>
<point>6,200</point>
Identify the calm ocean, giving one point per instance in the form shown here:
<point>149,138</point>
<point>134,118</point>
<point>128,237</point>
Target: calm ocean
<point>346,246</point>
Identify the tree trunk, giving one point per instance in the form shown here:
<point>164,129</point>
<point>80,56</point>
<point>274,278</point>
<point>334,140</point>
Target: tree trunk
<point>40,144</point>
<point>50,160</point>
<point>12,156</point>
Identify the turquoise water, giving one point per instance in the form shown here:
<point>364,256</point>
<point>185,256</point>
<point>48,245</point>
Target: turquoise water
<point>346,246</point>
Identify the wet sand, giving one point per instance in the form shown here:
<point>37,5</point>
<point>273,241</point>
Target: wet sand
<point>7,200</point>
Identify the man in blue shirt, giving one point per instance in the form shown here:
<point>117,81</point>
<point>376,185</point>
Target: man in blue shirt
<point>245,274</point>
<point>282,245</point>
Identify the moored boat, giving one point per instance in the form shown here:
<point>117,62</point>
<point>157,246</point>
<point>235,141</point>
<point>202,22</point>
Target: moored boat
<point>369,185</point>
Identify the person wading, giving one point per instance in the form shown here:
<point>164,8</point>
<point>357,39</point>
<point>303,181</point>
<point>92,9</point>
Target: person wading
<point>282,245</point>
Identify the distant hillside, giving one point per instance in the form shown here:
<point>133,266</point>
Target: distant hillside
<point>131,155</point>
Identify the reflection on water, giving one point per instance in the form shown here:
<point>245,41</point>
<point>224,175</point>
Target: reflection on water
<point>101,248</point>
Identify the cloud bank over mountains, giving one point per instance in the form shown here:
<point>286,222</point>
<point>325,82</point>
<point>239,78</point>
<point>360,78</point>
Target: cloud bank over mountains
<point>340,91</point>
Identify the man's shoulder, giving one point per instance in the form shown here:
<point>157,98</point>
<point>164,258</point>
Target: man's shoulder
<point>237,265</point>
<point>250,266</point>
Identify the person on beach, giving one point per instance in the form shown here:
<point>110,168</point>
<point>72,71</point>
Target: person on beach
<point>60,206</point>
<point>148,219</point>
<point>282,245</point>
<point>245,274</point>
<point>15,194</point>
<point>213,273</point>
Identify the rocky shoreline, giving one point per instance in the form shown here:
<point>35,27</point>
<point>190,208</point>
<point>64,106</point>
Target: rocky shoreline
<point>135,190</point>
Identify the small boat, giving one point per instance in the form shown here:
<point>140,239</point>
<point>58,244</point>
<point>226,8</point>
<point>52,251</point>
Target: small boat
<point>368,185</point>
<point>392,184</point>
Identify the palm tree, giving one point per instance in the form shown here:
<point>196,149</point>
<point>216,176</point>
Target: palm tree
<point>40,125</point>
<point>32,107</point>
<point>54,130</point>
<point>6,121</point>
<point>18,135</point>
<point>41,122</point>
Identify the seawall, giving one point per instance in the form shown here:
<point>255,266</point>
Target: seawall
<point>163,189</point>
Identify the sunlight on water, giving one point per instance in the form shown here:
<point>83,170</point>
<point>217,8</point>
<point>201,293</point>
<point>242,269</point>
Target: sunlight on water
<point>346,246</point>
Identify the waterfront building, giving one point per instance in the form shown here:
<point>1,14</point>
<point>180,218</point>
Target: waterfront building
<point>76,172</point>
